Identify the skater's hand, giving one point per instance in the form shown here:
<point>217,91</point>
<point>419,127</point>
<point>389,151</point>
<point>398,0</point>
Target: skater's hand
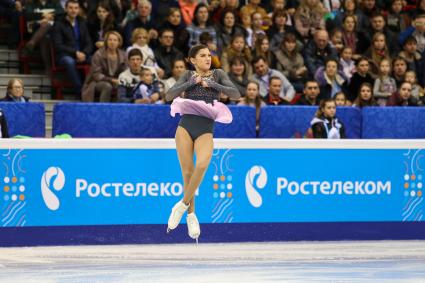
<point>204,83</point>
<point>198,79</point>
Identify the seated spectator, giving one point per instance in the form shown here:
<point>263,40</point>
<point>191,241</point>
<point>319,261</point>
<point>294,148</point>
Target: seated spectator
<point>316,52</point>
<point>336,40</point>
<point>227,28</point>
<point>417,30</point>
<point>399,70</point>
<point>332,6</point>
<point>119,8</point>
<point>310,93</point>
<point>129,79</point>
<point>384,85</point>
<point>403,97</point>
<point>273,97</point>
<point>262,48</point>
<point>309,18</point>
<point>263,74</point>
<point>143,20</point>
<point>377,52</point>
<point>72,43</point>
<point>201,23</point>
<point>341,99</point>
<point>417,92</point>
<point>325,124</point>
<point>4,130</point>
<point>237,48</point>
<point>100,23</point>
<point>330,81</point>
<point>140,39</point>
<point>359,77</point>
<point>349,9</point>
<point>365,96</point>
<point>252,7</point>
<point>279,28</point>
<point>397,20</point>
<point>166,53</point>
<point>368,8</point>
<point>15,91</point>
<point>206,39</point>
<point>347,64</point>
<point>253,98</point>
<point>107,64</point>
<point>41,23</point>
<point>161,9</point>
<point>147,91</point>
<point>275,5</point>
<point>410,54</point>
<point>178,68</point>
<point>256,29</point>
<point>378,24</point>
<point>175,23</point>
<point>226,5</point>
<point>353,38</point>
<point>290,62</point>
<point>238,74</point>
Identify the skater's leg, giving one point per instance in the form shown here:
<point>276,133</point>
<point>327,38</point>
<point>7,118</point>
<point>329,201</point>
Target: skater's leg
<point>184,145</point>
<point>203,147</point>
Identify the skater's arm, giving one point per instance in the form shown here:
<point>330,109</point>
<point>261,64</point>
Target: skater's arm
<point>225,85</point>
<point>185,81</point>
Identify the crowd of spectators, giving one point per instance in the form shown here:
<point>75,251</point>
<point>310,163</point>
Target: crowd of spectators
<point>278,52</point>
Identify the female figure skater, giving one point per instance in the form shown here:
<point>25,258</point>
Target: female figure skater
<point>199,109</point>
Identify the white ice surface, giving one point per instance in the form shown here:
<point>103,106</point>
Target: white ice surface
<point>371,261</point>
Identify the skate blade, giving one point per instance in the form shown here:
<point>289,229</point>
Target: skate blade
<point>168,230</point>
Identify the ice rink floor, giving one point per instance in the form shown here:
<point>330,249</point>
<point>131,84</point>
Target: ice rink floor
<point>377,261</point>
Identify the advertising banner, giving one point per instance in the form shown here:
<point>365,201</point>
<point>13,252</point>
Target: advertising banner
<point>65,186</point>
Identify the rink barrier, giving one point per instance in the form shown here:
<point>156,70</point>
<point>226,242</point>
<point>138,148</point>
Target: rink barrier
<point>26,119</point>
<point>105,120</point>
<point>116,191</point>
<point>154,121</point>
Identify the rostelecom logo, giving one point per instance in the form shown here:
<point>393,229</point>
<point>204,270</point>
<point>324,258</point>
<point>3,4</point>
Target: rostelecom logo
<point>256,178</point>
<point>52,178</point>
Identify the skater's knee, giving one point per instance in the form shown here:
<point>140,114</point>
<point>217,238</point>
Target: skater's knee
<point>202,164</point>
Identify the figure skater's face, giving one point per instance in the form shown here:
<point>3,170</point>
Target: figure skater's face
<point>202,60</point>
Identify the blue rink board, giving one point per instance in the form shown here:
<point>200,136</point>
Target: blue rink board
<point>211,233</point>
<point>103,196</point>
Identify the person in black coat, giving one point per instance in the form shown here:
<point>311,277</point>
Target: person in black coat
<point>325,124</point>
<point>72,42</point>
<point>4,131</point>
<point>11,10</point>
<point>166,53</point>
<point>359,77</point>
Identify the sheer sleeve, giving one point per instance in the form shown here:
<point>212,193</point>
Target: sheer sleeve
<point>184,82</point>
<point>225,85</point>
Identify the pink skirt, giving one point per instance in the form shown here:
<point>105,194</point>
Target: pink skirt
<point>218,112</point>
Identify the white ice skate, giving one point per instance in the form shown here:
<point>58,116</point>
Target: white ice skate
<point>193,226</point>
<point>176,215</point>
